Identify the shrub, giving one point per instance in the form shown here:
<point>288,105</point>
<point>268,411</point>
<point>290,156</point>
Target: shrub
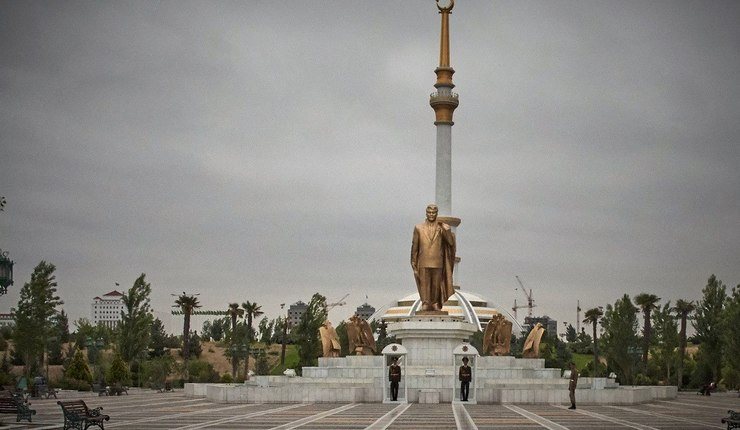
<point>202,371</point>
<point>226,378</point>
<point>156,371</point>
<point>262,367</point>
<point>118,371</point>
<point>78,368</point>
<point>73,384</point>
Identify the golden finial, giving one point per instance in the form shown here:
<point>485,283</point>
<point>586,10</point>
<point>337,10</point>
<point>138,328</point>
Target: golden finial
<point>445,5</point>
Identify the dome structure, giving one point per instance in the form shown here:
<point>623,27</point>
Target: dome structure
<point>471,307</point>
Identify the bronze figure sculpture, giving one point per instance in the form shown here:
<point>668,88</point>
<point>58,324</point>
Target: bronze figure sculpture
<point>329,340</point>
<point>433,260</point>
<point>497,336</point>
<point>532,344</point>
<point>360,337</point>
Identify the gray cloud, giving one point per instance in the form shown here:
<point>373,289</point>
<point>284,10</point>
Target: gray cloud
<point>267,150</point>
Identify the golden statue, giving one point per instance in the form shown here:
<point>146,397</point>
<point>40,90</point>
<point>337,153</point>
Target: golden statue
<point>360,337</point>
<point>329,340</point>
<point>497,337</point>
<point>433,260</point>
<point>532,344</point>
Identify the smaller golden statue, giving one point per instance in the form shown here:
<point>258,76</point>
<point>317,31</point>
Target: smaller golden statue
<point>532,344</point>
<point>497,337</point>
<point>329,340</point>
<point>360,337</point>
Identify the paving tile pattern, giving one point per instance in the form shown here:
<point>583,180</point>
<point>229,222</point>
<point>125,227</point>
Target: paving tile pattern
<point>148,410</point>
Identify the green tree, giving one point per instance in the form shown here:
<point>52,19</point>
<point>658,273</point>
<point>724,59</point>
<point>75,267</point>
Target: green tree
<point>201,372</point>
<point>78,369</point>
<point>666,340</point>
<point>86,330</point>
<point>592,317</point>
<point>306,332</point>
<point>157,339</point>
<point>251,311</point>
<point>647,303</point>
<point>61,326</point>
<point>570,334</point>
<point>156,371</point>
<point>135,327</point>
<point>381,327</point>
<point>205,330</point>
<point>343,338</point>
<point>218,329</point>
<point>683,308</point>
<point>187,304</point>
<point>36,307</point>
<point>708,325</point>
<point>118,371</point>
<point>261,365</point>
<point>278,328</point>
<point>620,338</point>
<point>731,372</point>
<point>194,345</point>
<point>265,329</point>
<point>234,312</point>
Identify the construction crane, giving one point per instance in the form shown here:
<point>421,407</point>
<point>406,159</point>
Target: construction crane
<point>530,300</point>
<point>340,302</point>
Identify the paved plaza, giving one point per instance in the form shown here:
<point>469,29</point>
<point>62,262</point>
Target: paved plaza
<point>149,410</point>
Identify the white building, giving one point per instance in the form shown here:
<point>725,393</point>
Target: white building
<point>7,320</point>
<point>107,309</point>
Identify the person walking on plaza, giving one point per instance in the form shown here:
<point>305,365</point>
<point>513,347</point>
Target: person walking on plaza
<point>394,375</point>
<point>465,376</point>
<point>572,385</point>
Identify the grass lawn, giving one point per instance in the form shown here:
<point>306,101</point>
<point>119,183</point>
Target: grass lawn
<point>291,360</point>
<point>582,360</point>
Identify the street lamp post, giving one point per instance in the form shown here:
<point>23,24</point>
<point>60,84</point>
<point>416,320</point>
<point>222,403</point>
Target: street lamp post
<point>239,350</point>
<point>6,272</point>
<point>93,346</point>
<point>285,333</point>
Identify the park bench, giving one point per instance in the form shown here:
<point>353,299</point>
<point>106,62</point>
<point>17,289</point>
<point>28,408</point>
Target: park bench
<point>163,388</point>
<point>13,404</point>
<point>732,420</point>
<point>78,416</point>
<point>100,389</point>
<point>45,390</point>
<point>117,389</point>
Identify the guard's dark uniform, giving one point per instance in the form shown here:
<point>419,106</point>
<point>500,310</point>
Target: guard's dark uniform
<point>394,375</point>
<point>572,386</point>
<point>465,375</point>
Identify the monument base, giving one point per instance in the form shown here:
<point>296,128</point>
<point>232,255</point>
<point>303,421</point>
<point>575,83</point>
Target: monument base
<point>430,339</point>
<point>430,374</point>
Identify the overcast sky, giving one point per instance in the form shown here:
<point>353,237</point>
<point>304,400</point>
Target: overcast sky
<point>267,150</point>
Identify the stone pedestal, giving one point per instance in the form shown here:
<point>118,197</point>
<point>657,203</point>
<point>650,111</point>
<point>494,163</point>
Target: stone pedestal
<point>430,339</point>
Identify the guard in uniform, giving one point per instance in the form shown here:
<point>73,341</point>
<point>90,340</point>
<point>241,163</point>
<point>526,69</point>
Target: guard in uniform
<point>572,385</point>
<point>465,375</point>
<point>394,375</point>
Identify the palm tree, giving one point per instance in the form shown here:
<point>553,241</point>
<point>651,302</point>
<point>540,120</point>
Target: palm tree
<point>646,302</point>
<point>251,311</point>
<point>234,312</point>
<point>186,303</point>
<point>683,308</point>
<point>593,316</point>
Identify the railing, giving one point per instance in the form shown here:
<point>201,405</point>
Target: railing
<point>436,94</point>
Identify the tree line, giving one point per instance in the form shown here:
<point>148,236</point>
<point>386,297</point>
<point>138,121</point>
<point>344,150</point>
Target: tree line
<point>658,352</point>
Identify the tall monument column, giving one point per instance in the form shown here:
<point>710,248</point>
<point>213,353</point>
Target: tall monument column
<point>444,102</point>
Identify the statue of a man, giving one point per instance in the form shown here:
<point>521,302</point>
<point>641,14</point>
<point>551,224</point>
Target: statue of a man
<point>433,260</point>
<point>329,340</point>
